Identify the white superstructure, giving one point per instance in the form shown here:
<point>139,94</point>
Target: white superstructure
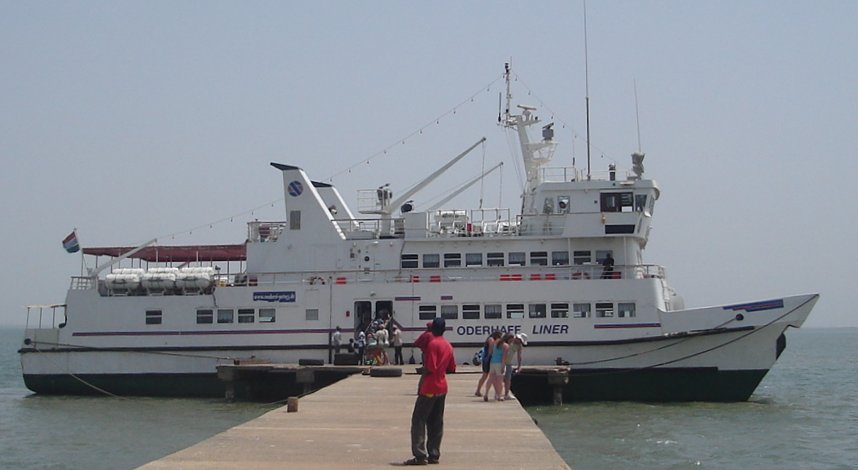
<point>568,270</point>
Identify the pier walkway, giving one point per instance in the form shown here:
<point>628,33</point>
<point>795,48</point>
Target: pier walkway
<point>364,422</point>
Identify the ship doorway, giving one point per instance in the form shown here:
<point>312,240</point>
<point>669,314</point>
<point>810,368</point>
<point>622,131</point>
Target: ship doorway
<point>363,315</point>
<point>384,310</point>
<point>366,312</point>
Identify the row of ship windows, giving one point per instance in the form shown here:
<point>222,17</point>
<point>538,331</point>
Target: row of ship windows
<point>513,258</point>
<point>535,310</point>
<point>207,316</point>
<point>428,312</point>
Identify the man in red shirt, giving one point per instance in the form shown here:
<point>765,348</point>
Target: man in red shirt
<point>428,416</point>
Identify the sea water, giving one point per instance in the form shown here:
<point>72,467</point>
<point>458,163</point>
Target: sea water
<point>804,415</point>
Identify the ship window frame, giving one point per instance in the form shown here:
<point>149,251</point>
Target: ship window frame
<point>605,310</point>
<point>205,316</point>
<point>449,311</point>
<point>267,315</point>
<point>471,311</point>
<point>452,260</point>
<point>492,311</point>
<point>514,311</point>
<point>431,260</point>
<point>539,258</point>
<point>154,317</point>
<point>581,257</point>
<point>246,315</point>
<point>623,310</point>
<point>559,309</point>
<point>409,260</point>
<point>516,258</point>
<point>473,259</point>
<point>424,311</point>
<point>537,310</point>
<point>495,258</point>
<point>560,258</point>
<point>578,310</point>
<point>223,318</point>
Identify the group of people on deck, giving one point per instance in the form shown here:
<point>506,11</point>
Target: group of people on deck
<point>371,344</point>
<point>497,356</point>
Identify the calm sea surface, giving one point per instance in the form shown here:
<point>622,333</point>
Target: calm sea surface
<point>803,416</point>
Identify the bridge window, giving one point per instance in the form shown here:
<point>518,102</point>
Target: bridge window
<point>493,311</point>
<point>266,315</point>
<point>560,310</point>
<point>452,260</point>
<point>515,311</point>
<point>616,202</point>
<point>431,260</point>
<point>246,315</point>
<point>471,312</point>
<point>225,315</point>
<point>538,258</point>
<point>516,258</point>
<point>640,202</point>
<point>604,310</point>
<point>626,310</point>
<point>581,310</point>
<point>560,258</point>
<point>205,316</point>
<point>494,259</point>
<point>408,261</point>
<point>427,312</point>
<point>153,317</point>
<point>473,259</point>
<point>536,310</point>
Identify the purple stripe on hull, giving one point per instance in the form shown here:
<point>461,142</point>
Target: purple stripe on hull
<point>629,325</point>
<point>757,306</point>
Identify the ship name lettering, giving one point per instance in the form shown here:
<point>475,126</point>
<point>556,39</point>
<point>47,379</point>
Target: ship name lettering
<point>555,329</point>
<point>487,329</point>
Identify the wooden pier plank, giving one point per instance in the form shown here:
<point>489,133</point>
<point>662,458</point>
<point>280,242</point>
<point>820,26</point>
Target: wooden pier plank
<point>363,422</point>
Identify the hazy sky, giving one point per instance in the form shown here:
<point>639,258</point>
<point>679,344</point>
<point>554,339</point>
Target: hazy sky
<point>134,120</point>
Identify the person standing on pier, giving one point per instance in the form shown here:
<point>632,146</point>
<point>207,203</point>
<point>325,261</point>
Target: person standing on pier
<point>337,340</point>
<point>397,346</point>
<point>427,420</point>
<point>516,345</point>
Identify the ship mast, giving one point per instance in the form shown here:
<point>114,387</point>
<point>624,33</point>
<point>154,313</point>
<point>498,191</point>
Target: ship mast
<point>534,154</point>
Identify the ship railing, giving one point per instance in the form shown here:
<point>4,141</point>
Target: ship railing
<point>311,279</point>
<point>589,271</point>
<point>38,316</point>
<point>563,174</point>
<point>261,232</point>
<point>541,225</point>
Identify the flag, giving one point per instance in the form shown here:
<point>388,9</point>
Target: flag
<point>70,243</point>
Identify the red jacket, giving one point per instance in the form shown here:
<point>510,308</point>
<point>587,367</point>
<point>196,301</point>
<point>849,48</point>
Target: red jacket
<point>438,360</point>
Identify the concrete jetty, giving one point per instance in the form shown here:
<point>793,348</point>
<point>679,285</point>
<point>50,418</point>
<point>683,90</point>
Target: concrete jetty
<point>364,422</point>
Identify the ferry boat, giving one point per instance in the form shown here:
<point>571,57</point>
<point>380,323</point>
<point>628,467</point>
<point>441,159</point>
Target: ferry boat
<point>567,270</point>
